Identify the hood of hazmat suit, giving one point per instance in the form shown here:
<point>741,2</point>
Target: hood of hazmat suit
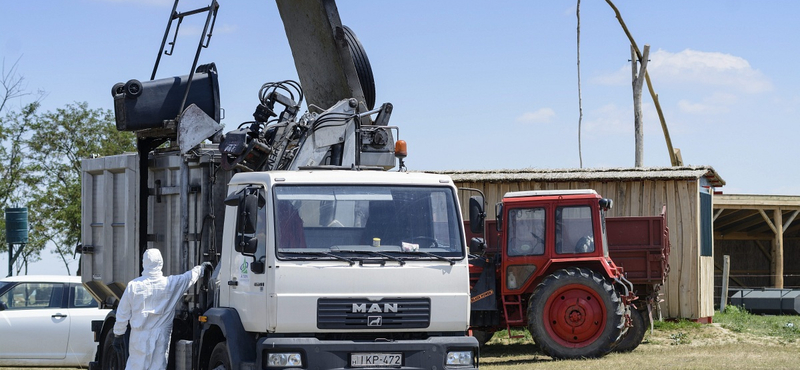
<point>148,305</point>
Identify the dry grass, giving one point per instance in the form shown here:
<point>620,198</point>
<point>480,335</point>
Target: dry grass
<point>736,341</point>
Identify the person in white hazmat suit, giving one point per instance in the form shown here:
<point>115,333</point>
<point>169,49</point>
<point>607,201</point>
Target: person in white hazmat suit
<point>148,304</point>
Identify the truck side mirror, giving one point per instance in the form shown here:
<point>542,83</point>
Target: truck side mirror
<point>498,216</point>
<point>477,245</point>
<point>476,214</point>
<point>248,213</point>
<point>251,246</point>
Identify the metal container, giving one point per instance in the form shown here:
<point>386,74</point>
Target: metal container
<point>17,225</point>
<point>146,105</point>
<point>771,301</point>
<point>184,198</point>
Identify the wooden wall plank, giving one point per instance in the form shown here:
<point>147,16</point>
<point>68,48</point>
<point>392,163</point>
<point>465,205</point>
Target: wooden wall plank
<point>647,199</point>
<point>690,256</point>
<point>636,198</point>
<point>673,289</point>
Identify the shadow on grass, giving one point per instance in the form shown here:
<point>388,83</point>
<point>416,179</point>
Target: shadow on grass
<point>513,354</point>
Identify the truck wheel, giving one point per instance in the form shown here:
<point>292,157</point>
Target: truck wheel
<point>219,357</point>
<point>575,313</point>
<point>111,359</point>
<point>635,334</point>
<point>482,336</point>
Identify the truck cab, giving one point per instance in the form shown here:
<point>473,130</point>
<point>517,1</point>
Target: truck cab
<point>342,269</point>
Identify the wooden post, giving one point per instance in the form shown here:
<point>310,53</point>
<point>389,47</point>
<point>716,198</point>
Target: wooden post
<point>638,82</point>
<point>778,249</point>
<point>726,271</point>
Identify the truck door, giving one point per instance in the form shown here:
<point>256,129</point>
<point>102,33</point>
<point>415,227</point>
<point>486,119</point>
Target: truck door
<point>247,279</point>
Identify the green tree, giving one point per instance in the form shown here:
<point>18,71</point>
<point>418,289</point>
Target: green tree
<point>58,142</point>
<point>14,177</point>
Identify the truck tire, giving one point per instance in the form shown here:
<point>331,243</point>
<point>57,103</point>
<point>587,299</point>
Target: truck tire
<point>111,360</point>
<point>635,334</point>
<point>575,313</point>
<point>363,68</point>
<point>219,357</point>
<point>482,336</point>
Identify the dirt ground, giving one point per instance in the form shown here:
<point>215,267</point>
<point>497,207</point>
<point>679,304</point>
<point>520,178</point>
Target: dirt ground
<point>708,346</point>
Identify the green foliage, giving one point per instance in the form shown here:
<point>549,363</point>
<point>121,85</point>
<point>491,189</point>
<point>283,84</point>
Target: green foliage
<point>679,338</point>
<point>674,325</point>
<point>44,166</point>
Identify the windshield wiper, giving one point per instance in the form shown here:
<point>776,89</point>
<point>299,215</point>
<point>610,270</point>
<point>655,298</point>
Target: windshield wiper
<point>429,254</point>
<point>327,254</point>
<point>373,253</point>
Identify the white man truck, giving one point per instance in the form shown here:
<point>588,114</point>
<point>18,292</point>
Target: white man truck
<point>314,269</point>
<point>322,258</point>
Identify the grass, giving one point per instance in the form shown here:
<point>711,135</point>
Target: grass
<point>783,329</point>
<point>736,340</point>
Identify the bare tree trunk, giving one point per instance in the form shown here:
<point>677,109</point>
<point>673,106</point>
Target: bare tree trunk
<point>674,153</point>
<point>638,82</point>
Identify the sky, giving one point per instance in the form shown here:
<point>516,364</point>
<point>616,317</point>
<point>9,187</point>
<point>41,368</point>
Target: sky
<point>475,85</point>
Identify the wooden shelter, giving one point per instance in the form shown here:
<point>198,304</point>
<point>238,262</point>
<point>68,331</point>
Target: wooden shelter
<point>686,191</point>
<point>761,233</point>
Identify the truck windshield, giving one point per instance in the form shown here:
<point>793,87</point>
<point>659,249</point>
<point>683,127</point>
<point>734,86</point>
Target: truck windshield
<point>362,222</point>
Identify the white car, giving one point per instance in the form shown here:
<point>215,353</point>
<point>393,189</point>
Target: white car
<point>46,321</point>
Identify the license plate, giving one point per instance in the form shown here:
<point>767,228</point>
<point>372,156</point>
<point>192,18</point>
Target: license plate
<point>376,359</point>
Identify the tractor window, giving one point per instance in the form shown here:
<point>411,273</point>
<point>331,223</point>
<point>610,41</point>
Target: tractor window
<point>574,232</point>
<point>526,232</point>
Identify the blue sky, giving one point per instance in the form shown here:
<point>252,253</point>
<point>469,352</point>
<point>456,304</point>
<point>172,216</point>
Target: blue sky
<point>475,84</point>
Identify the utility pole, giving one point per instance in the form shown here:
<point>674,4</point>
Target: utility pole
<point>638,82</point>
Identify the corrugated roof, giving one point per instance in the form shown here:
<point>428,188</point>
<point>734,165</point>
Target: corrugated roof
<point>587,174</point>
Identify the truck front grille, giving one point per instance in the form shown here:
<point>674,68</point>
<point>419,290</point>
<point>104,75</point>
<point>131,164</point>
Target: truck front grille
<point>407,313</point>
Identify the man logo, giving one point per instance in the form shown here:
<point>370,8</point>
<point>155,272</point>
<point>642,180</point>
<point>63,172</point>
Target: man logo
<point>374,321</point>
<point>374,308</point>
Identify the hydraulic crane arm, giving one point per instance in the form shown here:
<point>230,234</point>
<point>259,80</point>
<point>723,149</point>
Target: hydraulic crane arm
<point>323,60</point>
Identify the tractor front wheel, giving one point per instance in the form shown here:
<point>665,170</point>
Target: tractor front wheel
<point>575,313</point>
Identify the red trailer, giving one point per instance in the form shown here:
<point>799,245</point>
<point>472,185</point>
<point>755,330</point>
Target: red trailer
<point>640,245</point>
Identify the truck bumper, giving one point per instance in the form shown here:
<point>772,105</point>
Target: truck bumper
<point>429,353</point>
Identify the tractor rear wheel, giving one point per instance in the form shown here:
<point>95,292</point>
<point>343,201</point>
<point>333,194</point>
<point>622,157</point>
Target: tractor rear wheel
<point>635,334</point>
<point>575,313</point>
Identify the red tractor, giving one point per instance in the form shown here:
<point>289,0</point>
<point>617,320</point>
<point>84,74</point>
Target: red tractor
<point>544,264</point>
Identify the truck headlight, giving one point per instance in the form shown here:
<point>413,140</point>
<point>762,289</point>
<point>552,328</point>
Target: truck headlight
<point>459,358</point>
<point>284,359</point>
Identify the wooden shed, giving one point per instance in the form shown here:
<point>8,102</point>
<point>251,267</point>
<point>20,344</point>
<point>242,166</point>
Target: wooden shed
<point>686,191</point>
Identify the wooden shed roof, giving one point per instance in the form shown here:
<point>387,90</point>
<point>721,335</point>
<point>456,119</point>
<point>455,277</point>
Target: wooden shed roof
<point>753,217</point>
<point>587,174</point>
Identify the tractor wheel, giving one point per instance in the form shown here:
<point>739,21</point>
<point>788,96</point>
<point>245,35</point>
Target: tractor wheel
<point>575,313</point>
<point>635,334</point>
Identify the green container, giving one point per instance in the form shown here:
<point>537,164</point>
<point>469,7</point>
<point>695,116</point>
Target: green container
<point>17,225</point>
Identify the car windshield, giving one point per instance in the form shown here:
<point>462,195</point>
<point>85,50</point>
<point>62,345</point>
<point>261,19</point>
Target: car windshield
<point>358,223</point>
